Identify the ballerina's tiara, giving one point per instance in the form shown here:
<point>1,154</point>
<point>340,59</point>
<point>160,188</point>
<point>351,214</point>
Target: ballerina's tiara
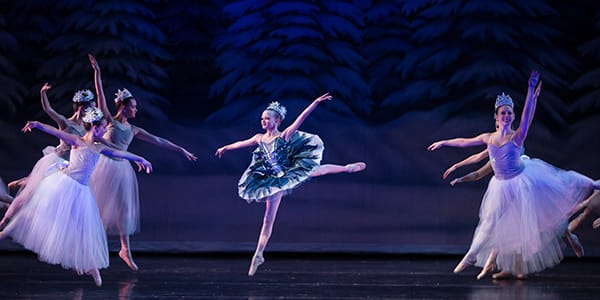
<point>278,108</point>
<point>122,95</point>
<point>503,100</point>
<point>92,114</point>
<point>83,96</point>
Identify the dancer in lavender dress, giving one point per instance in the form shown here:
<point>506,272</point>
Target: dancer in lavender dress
<point>527,203</point>
<point>114,182</point>
<point>61,222</point>
<point>54,157</point>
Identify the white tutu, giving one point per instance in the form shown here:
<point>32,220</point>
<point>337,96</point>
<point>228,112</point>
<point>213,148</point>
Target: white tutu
<point>524,218</point>
<point>115,187</point>
<point>62,225</point>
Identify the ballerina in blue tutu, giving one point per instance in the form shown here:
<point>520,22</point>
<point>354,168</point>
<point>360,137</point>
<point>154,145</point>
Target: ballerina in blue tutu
<point>528,202</point>
<point>282,161</point>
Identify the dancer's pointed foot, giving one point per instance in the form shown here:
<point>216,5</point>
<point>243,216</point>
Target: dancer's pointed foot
<point>96,276</point>
<point>521,276</point>
<point>575,244</point>
<point>125,255</point>
<point>490,265</point>
<point>466,262</point>
<point>501,275</point>
<point>356,167</point>
<point>257,260</point>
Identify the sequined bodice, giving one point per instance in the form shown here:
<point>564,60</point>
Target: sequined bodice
<point>506,159</point>
<point>81,164</point>
<point>119,134</point>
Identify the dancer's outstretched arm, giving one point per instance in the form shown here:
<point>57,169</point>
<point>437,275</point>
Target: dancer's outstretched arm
<point>141,162</point>
<point>290,130</point>
<point>475,175</point>
<point>156,140</point>
<point>56,117</point>
<point>239,144</point>
<point>533,91</point>
<point>68,138</point>
<point>475,158</point>
<point>461,142</point>
<point>100,89</point>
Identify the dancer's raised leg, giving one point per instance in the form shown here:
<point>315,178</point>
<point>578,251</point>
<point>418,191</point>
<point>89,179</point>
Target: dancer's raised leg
<point>333,169</point>
<point>125,252</point>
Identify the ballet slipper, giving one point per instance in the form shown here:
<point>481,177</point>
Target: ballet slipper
<point>355,167</point>
<point>257,260</point>
<point>466,262</point>
<point>521,276</point>
<point>96,276</point>
<point>501,275</point>
<point>575,244</point>
<point>490,265</point>
<point>125,255</point>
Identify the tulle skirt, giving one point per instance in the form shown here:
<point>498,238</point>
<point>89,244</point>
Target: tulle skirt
<point>523,219</point>
<point>62,225</point>
<point>299,156</point>
<point>115,187</point>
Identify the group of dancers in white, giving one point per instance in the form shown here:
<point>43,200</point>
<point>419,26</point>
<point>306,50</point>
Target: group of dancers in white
<point>86,188</point>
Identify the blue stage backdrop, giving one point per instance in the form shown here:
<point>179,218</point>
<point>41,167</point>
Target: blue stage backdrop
<point>403,74</point>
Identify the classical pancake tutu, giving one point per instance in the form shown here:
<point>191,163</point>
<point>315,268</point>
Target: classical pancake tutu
<point>62,225</point>
<point>524,217</point>
<point>115,187</point>
<point>298,158</point>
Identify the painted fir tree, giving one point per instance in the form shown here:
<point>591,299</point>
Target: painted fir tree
<point>587,84</point>
<point>13,91</point>
<point>125,39</point>
<point>291,51</point>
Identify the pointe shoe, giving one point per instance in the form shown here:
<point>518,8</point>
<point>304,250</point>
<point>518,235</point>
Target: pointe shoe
<point>256,261</point>
<point>501,275</point>
<point>521,276</point>
<point>489,267</point>
<point>356,167</point>
<point>96,276</point>
<point>126,257</point>
<point>463,264</point>
<point>575,244</point>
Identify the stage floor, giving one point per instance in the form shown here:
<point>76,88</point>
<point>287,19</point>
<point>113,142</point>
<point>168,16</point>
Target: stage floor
<point>289,276</point>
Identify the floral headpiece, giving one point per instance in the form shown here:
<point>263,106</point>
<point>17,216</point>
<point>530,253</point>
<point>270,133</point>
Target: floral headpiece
<point>122,95</point>
<point>503,100</point>
<point>278,108</point>
<point>92,114</point>
<point>83,96</point>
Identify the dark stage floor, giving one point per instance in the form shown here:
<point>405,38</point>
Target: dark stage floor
<point>291,277</point>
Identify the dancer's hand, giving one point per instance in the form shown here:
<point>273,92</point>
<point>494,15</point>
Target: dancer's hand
<point>45,88</point>
<point>94,63</point>
<point>323,97</point>
<point>189,155</point>
<point>220,151</point>
<point>144,165</point>
<point>536,93</point>
<point>455,181</point>
<point>436,145</point>
<point>30,125</point>
<point>448,171</point>
<point>534,78</point>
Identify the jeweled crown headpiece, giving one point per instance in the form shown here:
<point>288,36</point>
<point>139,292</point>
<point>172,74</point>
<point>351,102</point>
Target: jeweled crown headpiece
<point>503,100</point>
<point>278,108</point>
<point>83,96</point>
<point>122,95</point>
<point>92,114</point>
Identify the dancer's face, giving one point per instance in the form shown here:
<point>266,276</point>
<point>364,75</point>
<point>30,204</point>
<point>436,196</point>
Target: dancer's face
<point>269,120</point>
<point>100,129</point>
<point>505,116</point>
<point>130,109</point>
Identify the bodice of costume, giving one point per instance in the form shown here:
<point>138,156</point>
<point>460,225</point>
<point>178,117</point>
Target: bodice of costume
<point>119,134</point>
<point>506,159</point>
<point>273,156</point>
<point>81,164</point>
<point>63,149</point>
